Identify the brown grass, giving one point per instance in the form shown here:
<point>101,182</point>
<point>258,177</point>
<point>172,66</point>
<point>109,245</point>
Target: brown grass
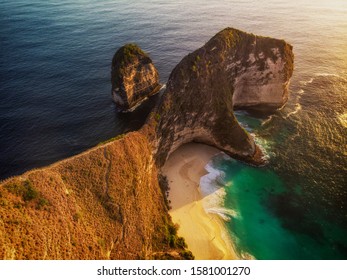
<point>103,204</point>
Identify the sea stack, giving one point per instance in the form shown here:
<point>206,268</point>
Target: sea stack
<point>234,69</point>
<point>134,77</point>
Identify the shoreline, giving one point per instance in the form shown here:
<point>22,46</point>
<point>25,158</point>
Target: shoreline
<point>204,233</point>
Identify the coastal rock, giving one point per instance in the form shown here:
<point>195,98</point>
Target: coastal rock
<point>261,69</point>
<point>134,77</point>
<point>233,69</point>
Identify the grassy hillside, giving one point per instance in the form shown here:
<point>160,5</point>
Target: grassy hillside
<point>105,203</point>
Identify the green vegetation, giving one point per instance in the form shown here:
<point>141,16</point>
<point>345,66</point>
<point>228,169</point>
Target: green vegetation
<point>195,63</point>
<point>171,236</point>
<point>123,57</point>
<point>164,187</point>
<point>26,191</point>
<point>131,50</point>
<point>233,38</point>
<point>187,255</point>
<point>23,189</point>
<point>127,54</point>
<point>42,202</point>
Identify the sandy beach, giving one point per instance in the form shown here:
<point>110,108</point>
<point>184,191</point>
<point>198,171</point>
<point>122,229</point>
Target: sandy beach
<point>204,233</point>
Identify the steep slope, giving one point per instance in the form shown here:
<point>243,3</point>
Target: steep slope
<point>103,204</point>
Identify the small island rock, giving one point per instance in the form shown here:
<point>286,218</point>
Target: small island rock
<point>134,77</point>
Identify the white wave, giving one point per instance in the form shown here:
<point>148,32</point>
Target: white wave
<point>343,77</point>
<point>247,256</point>
<point>296,110</point>
<point>244,125</point>
<point>240,113</point>
<point>213,200</point>
<point>267,120</point>
<point>328,75</point>
<point>264,145</point>
<point>307,82</point>
<point>212,181</point>
<point>135,107</point>
<point>301,91</point>
<point>213,190</point>
<point>224,213</point>
<point>225,156</point>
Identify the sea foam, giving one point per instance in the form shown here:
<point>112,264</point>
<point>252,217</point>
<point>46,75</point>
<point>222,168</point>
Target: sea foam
<point>296,110</point>
<point>212,187</point>
<point>213,191</point>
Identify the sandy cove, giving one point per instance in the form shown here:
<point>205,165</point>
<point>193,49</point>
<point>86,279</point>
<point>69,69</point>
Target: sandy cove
<point>204,233</point>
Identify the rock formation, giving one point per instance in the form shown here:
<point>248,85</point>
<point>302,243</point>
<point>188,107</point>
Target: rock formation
<point>133,77</point>
<point>106,203</point>
<point>233,69</point>
<point>261,69</point>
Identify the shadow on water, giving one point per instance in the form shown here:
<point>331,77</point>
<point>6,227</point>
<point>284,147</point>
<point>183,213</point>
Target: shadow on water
<point>134,120</point>
<point>95,130</point>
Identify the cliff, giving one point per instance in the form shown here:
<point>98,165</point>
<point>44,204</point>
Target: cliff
<point>134,77</point>
<point>233,69</point>
<point>107,203</point>
<point>260,68</point>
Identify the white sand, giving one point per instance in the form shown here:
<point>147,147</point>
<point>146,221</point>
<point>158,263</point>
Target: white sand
<point>204,233</point>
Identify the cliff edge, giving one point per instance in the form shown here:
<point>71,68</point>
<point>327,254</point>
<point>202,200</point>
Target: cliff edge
<point>233,69</point>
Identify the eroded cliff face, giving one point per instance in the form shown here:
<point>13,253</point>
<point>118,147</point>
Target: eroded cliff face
<point>134,77</point>
<point>233,69</point>
<point>102,204</point>
<point>261,69</point>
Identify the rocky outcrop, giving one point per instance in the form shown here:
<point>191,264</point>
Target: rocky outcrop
<point>134,77</point>
<point>233,69</point>
<point>261,70</point>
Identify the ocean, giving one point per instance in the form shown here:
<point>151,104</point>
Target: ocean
<point>55,102</point>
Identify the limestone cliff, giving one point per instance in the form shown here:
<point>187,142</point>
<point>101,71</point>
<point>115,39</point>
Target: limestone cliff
<point>234,68</point>
<point>134,77</point>
<point>261,69</point>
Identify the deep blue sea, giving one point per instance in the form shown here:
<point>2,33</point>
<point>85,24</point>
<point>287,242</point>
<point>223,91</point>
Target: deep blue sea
<point>55,101</point>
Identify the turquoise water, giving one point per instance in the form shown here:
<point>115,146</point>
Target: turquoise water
<point>269,216</point>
